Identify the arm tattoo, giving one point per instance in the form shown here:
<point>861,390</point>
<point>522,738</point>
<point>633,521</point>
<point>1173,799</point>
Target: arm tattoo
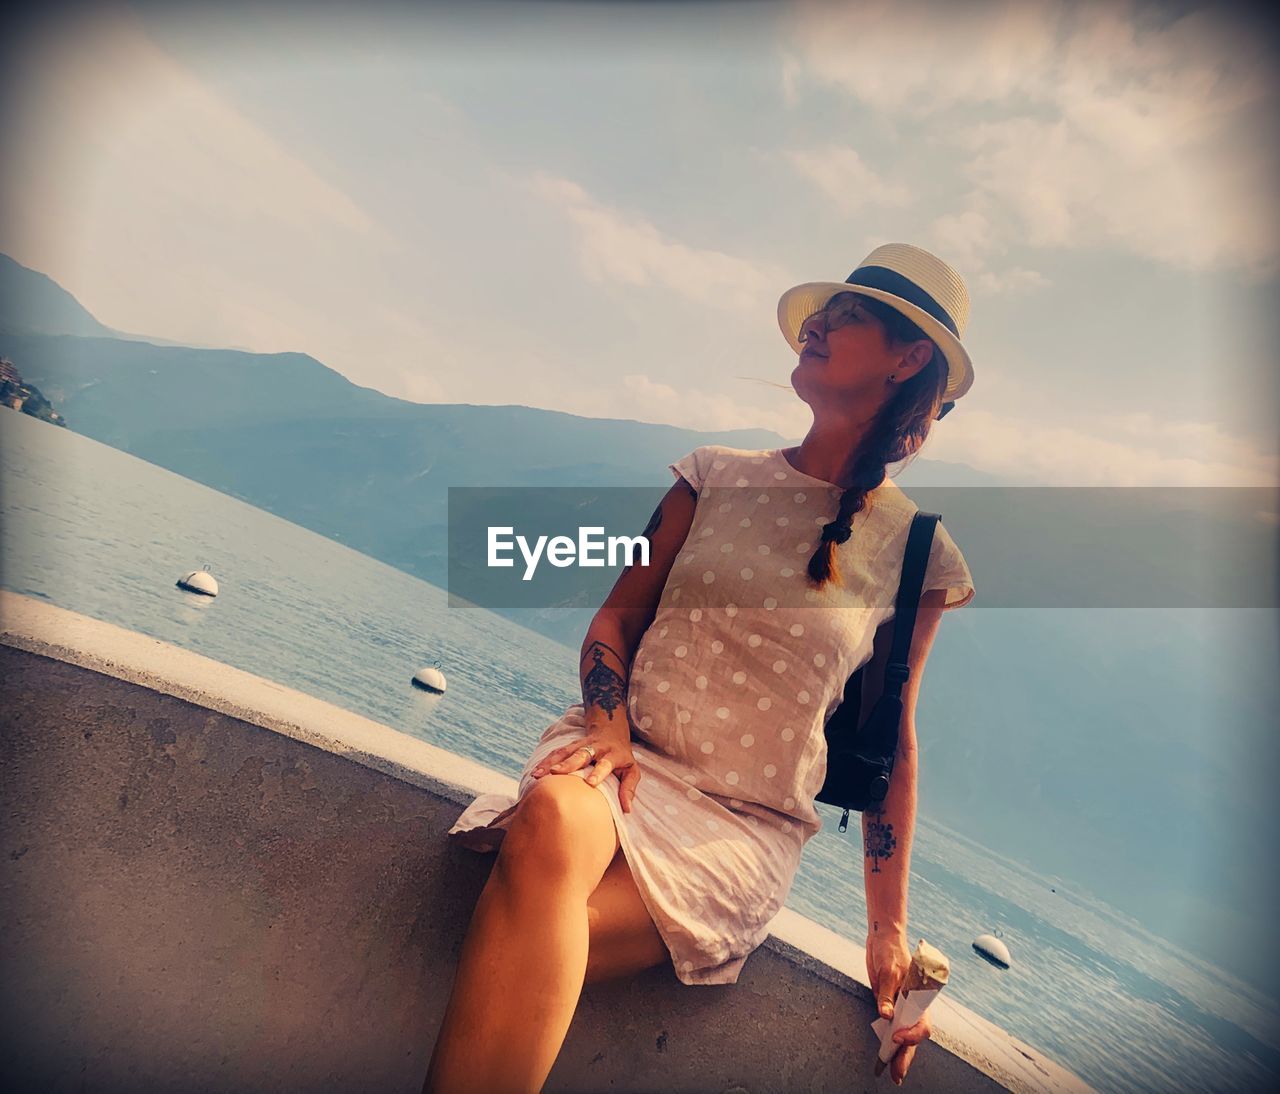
<point>880,842</point>
<point>654,521</point>
<point>603,686</point>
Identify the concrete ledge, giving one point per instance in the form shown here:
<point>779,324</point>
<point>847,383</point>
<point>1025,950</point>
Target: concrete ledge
<point>216,882</point>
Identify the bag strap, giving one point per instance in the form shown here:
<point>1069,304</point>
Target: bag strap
<point>919,544</point>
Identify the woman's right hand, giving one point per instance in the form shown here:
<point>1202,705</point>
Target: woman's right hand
<point>611,756</point>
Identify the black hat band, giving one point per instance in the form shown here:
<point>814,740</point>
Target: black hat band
<point>890,281</point>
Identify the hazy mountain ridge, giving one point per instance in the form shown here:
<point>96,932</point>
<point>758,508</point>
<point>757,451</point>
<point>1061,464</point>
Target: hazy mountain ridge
<point>288,433</point>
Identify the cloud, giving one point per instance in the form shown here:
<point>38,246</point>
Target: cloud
<point>1075,125</point>
<point>131,162</point>
<point>690,407</point>
<point>623,249</point>
<point>1109,450</point>
<point>841,174</point>
<point>916,58</point>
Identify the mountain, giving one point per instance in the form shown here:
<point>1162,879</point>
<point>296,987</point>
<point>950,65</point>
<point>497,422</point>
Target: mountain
<point>32,303</point>
<point>292,436</point>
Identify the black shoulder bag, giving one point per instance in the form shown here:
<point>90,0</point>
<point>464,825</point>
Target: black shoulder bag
<point>859,763</point>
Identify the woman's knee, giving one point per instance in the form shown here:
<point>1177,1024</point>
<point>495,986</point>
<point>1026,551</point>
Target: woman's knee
<point>563,829</point>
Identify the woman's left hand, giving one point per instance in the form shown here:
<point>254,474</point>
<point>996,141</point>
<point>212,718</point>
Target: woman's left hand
<point>888,960</point>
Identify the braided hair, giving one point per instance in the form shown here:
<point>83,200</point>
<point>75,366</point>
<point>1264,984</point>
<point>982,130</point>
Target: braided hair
<point>897,431</point>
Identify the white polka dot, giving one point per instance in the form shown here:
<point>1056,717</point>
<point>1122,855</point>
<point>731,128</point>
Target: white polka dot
<point>786,826</point>
<point>754,640</point>
<point>717,646</point>
<point>747,573</point>
<point>671,810</point>
<point>799,498</point>
<point>779,666</point>
<point>786,571</point>
<point>731,777</point>
<point>779,474</point>
<point>788,803</point>
<point>719,465</point>
<point>725,507</point>
<point>797,629</point>
<point>770,603</point>
<point>675,593</point>
<point>731,610</point>
<point>695,615</point>
<point>762,498</point>
<point>736,803</point>
<point>745,522</point>
<point>802,546</point>
<point>708,747</point>
<point>680,651</point>
<point>747,740</point>
<point>770,771</point>
<point>665,686</point>
<point>713,824</point>
<point>646,722</point>
<point>819,659</point>
<point>721,712</point>
<point>753,821</point>
<point>690,778</point>
<point>802,696</point>
<point>725,548</point>
<point>764,703</point>
<point>819,521</point>
<point>763,548</point>
<point>739,677</point>
<point>632,700</point>
<point>683,717</point>
<point>811,594</point>
<point>782,522</point>
<point>707,532</point>
<point>686,966</point>
<point>648,665</point>
<point>744,482</point>
<point>693,793</point>
<point>788,734</point>
<point>701,683</point>
<point>708,577</point>
<point>662,633</point>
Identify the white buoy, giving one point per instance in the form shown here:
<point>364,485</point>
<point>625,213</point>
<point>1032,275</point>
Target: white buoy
<point>995,951</point>
<point>199,581</point>
<point>430,679</point>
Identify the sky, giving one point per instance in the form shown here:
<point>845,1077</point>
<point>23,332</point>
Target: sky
<point>595,207</point>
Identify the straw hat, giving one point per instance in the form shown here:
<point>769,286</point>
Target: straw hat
<point>918,284</point>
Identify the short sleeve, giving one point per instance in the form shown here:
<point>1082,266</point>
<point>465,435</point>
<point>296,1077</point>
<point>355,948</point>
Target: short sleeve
<point>948,570</point>
<point>690,467</point>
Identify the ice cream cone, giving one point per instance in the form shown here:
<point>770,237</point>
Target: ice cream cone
<point>927,976</point>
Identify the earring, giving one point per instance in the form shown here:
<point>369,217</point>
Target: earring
<point>892,380</point>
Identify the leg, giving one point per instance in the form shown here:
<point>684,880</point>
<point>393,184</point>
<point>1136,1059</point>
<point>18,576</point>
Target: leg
<point>524,960</point>
<point>624,940</point>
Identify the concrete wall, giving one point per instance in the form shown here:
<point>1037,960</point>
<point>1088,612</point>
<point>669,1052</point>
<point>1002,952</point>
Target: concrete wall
<point>197,898</point>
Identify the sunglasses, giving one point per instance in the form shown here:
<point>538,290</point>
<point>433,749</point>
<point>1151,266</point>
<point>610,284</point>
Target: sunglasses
<point>842,309</point>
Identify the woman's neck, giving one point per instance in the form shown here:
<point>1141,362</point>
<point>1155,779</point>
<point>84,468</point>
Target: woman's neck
<point>827,456</point>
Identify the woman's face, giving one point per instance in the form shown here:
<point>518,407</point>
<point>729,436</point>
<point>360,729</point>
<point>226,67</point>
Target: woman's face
<point>852,359</point>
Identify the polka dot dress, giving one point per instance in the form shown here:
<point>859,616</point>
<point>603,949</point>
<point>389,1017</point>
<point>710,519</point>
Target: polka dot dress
<point>730,689</point>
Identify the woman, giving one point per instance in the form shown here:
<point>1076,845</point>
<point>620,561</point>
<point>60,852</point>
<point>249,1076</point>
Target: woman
<point>672,804</point>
